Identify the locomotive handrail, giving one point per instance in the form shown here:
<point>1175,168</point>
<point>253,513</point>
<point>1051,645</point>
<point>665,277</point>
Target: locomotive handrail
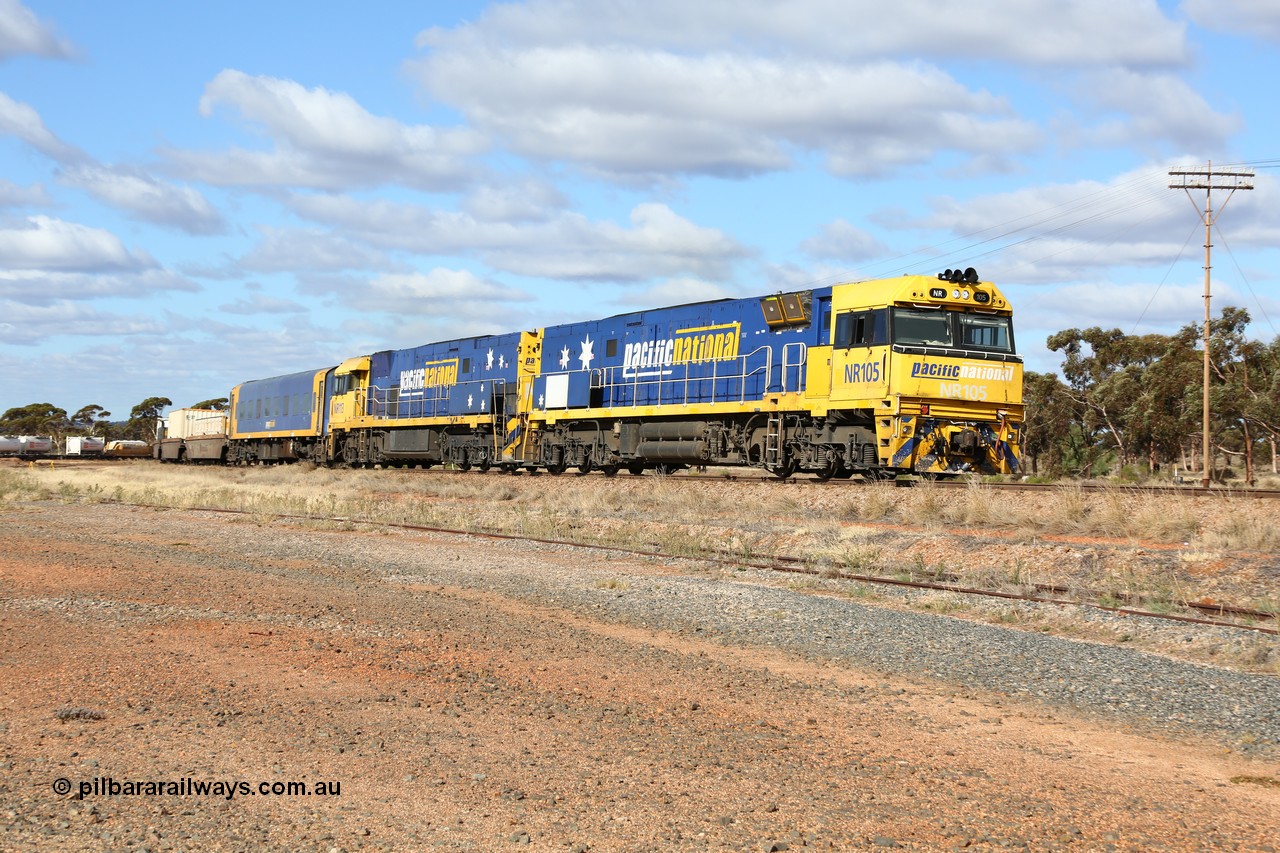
<point>437,396</point>
<point>606,380</point>
<point>804,357</point>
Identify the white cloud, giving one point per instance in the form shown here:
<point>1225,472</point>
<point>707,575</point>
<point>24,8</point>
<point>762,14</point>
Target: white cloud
<point>258,303</point>
<point>21,32</point>
<point>146,198</point>
<point>36,287</point>
<point>1150,111</point>
<point>44,243</point>
<point>296,249</point>
<point>440,293</point>
<point>675,291</point>
<point>26,324</point>
<point>44,259</point>
<point>12,195</point>
<point>1253,18</point>
<point>840,240</point>
<point>1138,308</point>
<point>634,114</point>
<point>324,140</point>
<point>1064,232</point>
<point>21,120</point>
<point>1086,32</point>
<point>518,201</point>
<point>658,242</point>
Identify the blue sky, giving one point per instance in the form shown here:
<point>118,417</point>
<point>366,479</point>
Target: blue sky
<point>192,196</point>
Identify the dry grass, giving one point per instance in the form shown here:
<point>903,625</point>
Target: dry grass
<point>1123,546</point>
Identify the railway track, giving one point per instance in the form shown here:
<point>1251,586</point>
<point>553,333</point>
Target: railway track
<point>1045,594</point>
<point>750,476</point>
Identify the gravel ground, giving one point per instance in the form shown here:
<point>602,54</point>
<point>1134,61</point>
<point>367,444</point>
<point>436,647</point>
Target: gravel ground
<point>476,694</point>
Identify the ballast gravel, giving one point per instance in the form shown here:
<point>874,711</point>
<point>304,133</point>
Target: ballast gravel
<point>1091,678</point>
<point>481,694</point>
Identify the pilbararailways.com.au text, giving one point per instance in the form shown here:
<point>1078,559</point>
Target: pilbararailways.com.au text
<point>229,789</point>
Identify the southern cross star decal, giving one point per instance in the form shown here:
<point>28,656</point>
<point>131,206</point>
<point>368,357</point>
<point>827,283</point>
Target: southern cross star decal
<point>488,365</point>
<point>588,352</point>
<point>564,359</point>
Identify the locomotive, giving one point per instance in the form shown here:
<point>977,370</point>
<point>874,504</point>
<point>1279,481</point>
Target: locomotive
<point>907,375</point>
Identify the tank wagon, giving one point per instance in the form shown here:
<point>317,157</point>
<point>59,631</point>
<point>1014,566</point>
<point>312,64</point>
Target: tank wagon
<point>35,445</point>
<point>914,374</point>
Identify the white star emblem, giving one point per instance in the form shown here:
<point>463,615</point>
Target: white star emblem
<point>470,400</point>
<point>541,404</point>
<point>564,359</point>
<point>488,365</point>
<point>588,352</point>
<point>502,362</point>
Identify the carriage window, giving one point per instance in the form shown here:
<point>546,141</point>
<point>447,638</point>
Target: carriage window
<point>611,348</point>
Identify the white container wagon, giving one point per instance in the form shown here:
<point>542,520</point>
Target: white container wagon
<point>192,435</point>
<point>85,445</point>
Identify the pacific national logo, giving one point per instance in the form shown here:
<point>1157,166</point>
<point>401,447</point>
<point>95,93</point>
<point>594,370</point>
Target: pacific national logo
<point>707,343</point>
<point>938,371</point>
<point>926,370</point>
<point>434,374</point>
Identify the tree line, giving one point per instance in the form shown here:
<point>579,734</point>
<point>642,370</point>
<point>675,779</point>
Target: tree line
<point>48,419</point>
<point>1134,402</point>
<point>1124,402</point>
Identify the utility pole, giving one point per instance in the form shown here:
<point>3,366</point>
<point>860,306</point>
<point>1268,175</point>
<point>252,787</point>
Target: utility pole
<point>1208,180</point>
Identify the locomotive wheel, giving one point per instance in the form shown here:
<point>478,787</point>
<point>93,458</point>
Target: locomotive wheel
<point>484,465</point>
<point>556,469</point>
<point>609,470</point>
<point>830,471</point>
<point>636,468</point>
<point>584,468</point>
<point>785,470</point>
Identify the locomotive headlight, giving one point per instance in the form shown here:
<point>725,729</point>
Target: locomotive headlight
<point>964,294</point>
<point>955,294</point>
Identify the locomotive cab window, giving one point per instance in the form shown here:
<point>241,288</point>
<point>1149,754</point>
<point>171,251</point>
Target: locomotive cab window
<point>922,327</point>
<point>862,329</point>
<point>982,331</point>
